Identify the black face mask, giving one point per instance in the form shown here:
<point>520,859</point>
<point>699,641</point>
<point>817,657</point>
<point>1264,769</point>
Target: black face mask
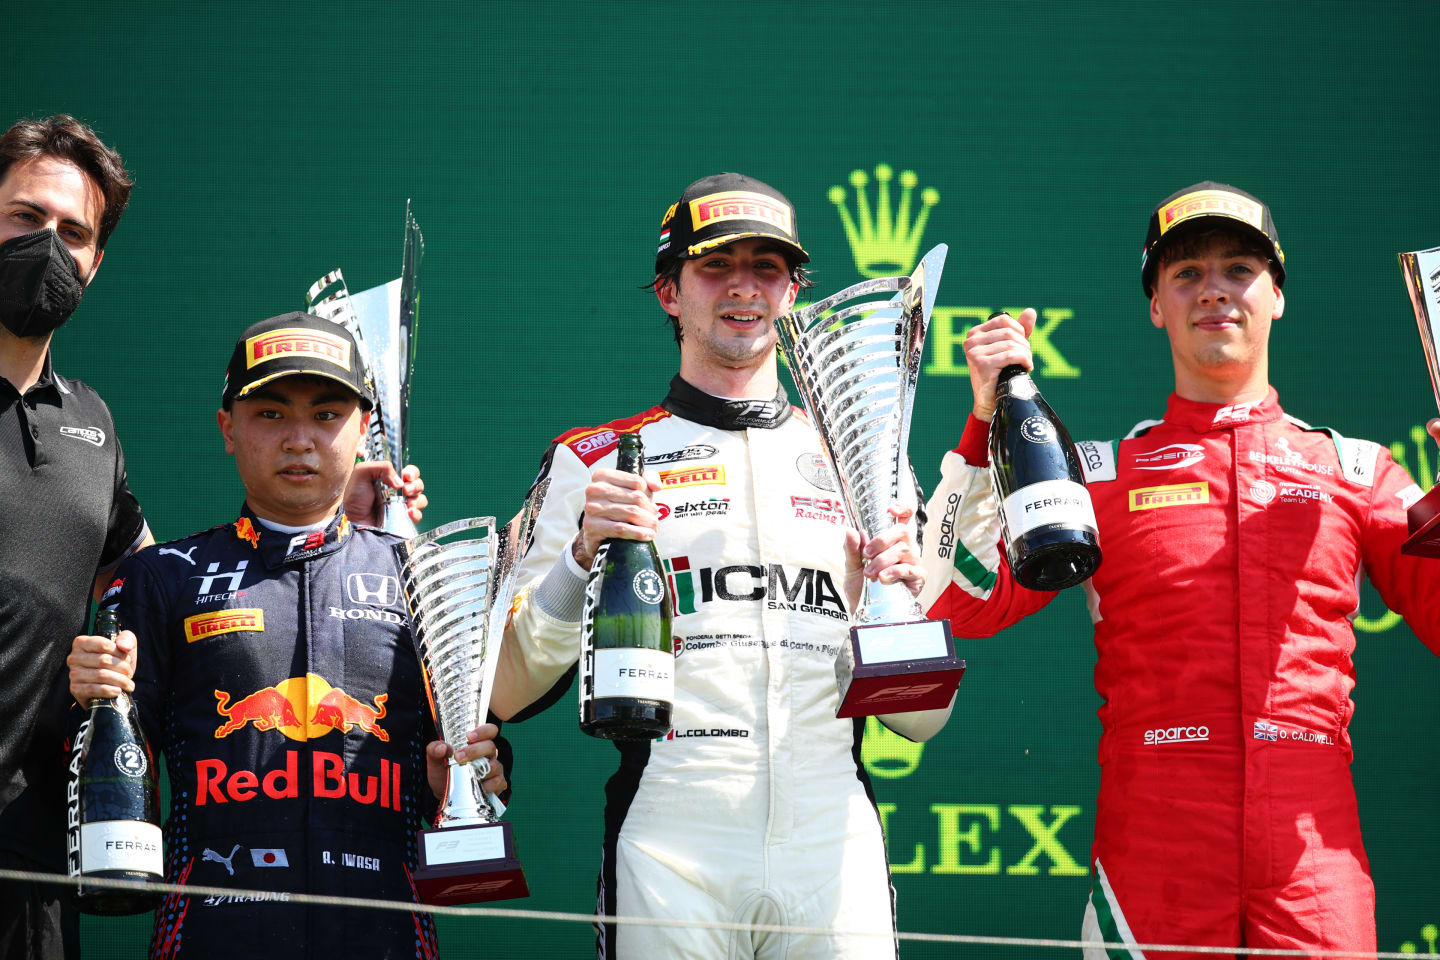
<point>40,284</point>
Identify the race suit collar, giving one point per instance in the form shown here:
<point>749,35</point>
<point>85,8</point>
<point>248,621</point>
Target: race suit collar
<point>278,548</point>
<point>1203,417</point>
<point>685,400</point>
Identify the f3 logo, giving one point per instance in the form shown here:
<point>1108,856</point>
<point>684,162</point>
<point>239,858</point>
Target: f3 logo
<point>374,589</point>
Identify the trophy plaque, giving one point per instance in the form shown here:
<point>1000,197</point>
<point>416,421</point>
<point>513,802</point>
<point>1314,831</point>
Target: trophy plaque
<point>458,581</point>
<point>1422,282</point>
<point>382,320</point>
<point>855,359</point>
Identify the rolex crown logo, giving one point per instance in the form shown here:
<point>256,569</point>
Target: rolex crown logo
<point>885,242</point>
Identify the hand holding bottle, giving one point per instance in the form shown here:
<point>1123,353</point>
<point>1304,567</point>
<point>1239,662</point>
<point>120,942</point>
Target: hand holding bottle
<point>101,668</point>
<point>992,346</point>
<point>617,504</point>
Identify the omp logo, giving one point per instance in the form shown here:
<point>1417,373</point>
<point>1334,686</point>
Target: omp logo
<point>1191,734</point>
<point>375,589</point>
<point>596,442</point>
<point>710,474</point>
<point>204,625</point>
<point>1204,202</point>
<point>884,242</point>
<point>292,340</point>
<point>92,435</point>
<point>1169,457</point>
<point>1169,495</point>
<point>739,205</point>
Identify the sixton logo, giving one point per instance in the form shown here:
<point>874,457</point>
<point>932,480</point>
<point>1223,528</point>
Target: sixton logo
<point>91,435</point>
<point>301,708</point>
<point>801,589</point>
<point>739,205</point>
<point>1169,495</point>
<point>711,507</point>
<point>374,589</point>
<point>204,625</point>
<point>884,241</point>
<point>1172,456</point>
<point>708,475</point>
<point>292,340</point>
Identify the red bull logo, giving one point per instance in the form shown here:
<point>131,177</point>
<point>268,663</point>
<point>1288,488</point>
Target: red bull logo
<point>245,530</point>
<point>216,783</point>
<point>301,708</point>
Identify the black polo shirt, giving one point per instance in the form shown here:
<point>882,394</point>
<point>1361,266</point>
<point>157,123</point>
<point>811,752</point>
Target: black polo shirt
<point>66,513</point>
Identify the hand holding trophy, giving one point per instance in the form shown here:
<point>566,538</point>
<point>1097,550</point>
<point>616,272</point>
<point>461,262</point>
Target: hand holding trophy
<point>855,361</point>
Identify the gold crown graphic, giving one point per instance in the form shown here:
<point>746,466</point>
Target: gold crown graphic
<point>884,244</point>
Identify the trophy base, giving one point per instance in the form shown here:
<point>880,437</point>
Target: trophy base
<point>900,668</point>
<point>1424,521</point>
<point>469,864</point>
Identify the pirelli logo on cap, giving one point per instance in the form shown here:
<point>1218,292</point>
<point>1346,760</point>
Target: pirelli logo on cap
<point>289,341</point>
<point>1209,202</point>
<point>213,624</point>
<point>713,475</point>
<point>740,205</point>
<point>1169,495</point>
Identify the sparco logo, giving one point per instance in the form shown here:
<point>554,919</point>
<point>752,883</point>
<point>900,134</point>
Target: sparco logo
<point>1093,460</point>
<point>947,525</point>
<point>1177,735</point>
<point>696,451</point>
<point>802,589</point>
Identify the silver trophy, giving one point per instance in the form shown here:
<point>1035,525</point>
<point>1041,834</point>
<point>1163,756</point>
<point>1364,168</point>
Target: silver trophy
<point>855,358</point>
<point>459,580</point>
<point>382,320</point>
<point>1422,282</point>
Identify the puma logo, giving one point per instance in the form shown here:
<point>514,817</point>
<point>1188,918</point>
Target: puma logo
<point>185,554</point>
<point>211,854</point>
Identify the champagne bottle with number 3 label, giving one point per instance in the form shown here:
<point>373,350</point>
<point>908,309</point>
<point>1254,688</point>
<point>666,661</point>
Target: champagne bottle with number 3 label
<point>1047,520</point>
<point>627,663</point>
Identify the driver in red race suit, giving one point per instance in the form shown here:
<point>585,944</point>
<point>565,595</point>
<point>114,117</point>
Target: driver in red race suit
<point>277,672</point>
<point>1234,536</point>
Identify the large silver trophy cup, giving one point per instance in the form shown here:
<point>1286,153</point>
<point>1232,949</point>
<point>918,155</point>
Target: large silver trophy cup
<point>855,359</point>
<point>1422,282</point>
<point>458,581</point>
<point>382,320</point>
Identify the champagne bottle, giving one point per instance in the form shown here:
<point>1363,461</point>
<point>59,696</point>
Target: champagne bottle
<point>627,679</point>
<point>118,821</point>
<point>1046,518</point>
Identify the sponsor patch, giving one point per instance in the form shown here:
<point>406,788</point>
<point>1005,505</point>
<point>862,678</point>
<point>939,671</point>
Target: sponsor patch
<point>739,205</point>
<point>696,451</point>
<point>213,624</point>
<point>1303,493</point>
<point>1169,495</point>
<point>829,509</point>
<point>708,475</point>
<point>374,589</point>
<point>91,435</point>
<point>1169,457</point>
<point>1234,412</point>
<point>1192,734</point>
<point>245,530</point>
<point>1263,491</point>
<point>816,471</point>
<point>1206,203</point>
<point>289,341</point>
<point>713,507</point>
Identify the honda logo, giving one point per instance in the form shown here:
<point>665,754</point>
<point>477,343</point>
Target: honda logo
<point>375,589</point>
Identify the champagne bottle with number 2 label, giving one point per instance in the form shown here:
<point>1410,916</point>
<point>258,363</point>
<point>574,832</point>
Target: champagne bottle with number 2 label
<point>627,663</point>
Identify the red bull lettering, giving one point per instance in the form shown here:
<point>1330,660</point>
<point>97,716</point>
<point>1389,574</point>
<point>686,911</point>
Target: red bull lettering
<point>215,783</point>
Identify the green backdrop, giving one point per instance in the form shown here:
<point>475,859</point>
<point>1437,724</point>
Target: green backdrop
<point>542,141</point>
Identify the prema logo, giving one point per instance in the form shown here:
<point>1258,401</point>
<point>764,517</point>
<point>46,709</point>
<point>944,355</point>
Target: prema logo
<point>1192,734</point>
<point>1169,457</point>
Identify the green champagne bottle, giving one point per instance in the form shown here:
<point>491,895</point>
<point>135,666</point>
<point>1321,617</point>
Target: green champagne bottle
<point>627,663</point>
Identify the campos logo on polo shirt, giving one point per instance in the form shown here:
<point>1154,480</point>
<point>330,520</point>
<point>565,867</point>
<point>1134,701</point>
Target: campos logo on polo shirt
<point>1169,495</point>
<point>92,435</point>
<point>204,625</point>
<point>292,340</point>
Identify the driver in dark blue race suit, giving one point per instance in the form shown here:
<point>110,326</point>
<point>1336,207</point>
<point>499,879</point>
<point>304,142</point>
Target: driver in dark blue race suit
<point>276,671</point>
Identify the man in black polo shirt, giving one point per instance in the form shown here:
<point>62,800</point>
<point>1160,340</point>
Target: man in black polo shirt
<point>67,516</point>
